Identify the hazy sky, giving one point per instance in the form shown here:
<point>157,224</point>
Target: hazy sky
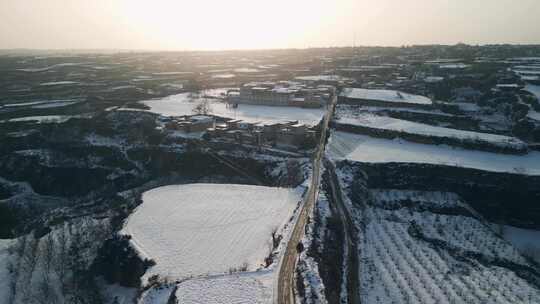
<point>241,24</point>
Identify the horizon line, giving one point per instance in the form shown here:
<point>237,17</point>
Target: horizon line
<point>149,50</point>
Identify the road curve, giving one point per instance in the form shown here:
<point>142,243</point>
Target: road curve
<point>285,281</point>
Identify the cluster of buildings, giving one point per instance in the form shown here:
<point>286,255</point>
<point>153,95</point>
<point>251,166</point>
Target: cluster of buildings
<point>281,93</point>
<point>291,133</point>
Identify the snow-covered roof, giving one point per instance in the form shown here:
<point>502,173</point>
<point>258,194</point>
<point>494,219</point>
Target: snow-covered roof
<point>385,96</point>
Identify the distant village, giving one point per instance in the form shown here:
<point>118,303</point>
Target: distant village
<point>442,86</point>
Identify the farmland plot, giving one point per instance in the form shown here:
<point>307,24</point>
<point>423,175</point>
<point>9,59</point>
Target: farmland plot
<point>195,230</point>
<point>183,104</point>
<point>377,122</point>
<point>368,149</point>
<point>429,256</point>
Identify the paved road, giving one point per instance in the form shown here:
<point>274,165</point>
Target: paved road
<point>285,282</point>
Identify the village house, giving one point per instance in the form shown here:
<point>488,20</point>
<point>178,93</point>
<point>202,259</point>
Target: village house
<point>191,124</point>
<point>282,93</point>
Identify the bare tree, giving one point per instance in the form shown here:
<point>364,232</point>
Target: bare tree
<point>294,172</point>
<point>276,238</point>
<point>202,107</point>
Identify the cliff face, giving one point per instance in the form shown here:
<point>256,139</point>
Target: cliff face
<point>499,197</point>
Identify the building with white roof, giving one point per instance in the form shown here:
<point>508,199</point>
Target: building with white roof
<point>282,93</point>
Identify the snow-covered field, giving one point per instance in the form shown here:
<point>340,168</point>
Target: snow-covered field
<point>533,89</point>
<point>364,148</point>
<point>387,123</point>
<point>399,267</point>
<point>533,115</point>
<point>59,65</point>
<point>411,256</point>
<point>55,105</point>
<point>321,78</point>
<point>223,76</point>
<point>43,119</point>
<point>201,229</point>
<point>246,70</point>
<point>58,83</point>
<point>42,103</point>
<point>452,66</point>
<point>467,106</point>
<point>183,104</point>
<point>347,110</point>
<point>245,288</point>
<point>526,240</point>
<point>386,197</point>
<point>385,96</point>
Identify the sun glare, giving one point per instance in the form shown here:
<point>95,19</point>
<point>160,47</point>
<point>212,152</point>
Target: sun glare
<point>236,24</point>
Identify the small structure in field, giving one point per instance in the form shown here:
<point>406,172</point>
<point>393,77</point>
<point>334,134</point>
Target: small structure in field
<point>191,124</point>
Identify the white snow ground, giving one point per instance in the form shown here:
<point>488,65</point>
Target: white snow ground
<point>534,89</point>
<point>526,240</point>
<point>364,148</point>
<point>322,78</point>
<point>223,76</point>
<point>201,229</point>
<point>385,96</point>
<point>245,288</point>
<point>157,295</point>
<point>58,83</point>
<point>182,104</point>
<point>116,294</point>
<point>400,125</point>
